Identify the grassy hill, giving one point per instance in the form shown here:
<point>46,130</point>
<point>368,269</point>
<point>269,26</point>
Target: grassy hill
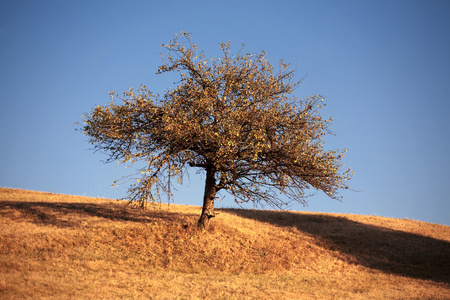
<point>60,246</point>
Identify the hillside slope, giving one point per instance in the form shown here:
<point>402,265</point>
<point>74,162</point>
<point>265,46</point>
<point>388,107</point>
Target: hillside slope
<point>64,246</point>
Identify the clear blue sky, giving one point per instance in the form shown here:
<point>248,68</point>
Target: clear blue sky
<point>384,67</point>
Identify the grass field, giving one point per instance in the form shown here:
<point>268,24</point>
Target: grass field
<point>60,247</point>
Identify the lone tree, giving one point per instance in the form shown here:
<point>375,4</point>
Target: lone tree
<point>233,118</point>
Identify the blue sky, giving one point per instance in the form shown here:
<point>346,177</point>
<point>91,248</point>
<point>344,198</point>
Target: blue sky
<point>383,66</point>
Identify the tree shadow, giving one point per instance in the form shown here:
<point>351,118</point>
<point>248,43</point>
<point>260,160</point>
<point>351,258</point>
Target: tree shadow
<point>384,249</point>
<point>61,214</point>
<point>375,247</point>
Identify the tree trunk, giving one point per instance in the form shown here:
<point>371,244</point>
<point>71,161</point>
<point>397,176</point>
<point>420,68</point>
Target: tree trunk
<point>208,199</point>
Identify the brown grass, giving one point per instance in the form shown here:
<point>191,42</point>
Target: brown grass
<point>59,246</point>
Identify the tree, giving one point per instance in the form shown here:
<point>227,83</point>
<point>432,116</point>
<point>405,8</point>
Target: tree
<point>233,118</point>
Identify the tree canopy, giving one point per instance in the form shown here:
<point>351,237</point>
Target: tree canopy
<point>233,117</point>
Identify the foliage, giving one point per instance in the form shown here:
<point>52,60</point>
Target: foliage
<point>234,117</point>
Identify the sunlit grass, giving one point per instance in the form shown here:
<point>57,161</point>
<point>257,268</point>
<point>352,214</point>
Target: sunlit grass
<point>63,246</point>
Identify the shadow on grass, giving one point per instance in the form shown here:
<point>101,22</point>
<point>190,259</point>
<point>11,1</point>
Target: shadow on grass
<point>379,248</point>
<point>72,214</point>
<point>387,250</point>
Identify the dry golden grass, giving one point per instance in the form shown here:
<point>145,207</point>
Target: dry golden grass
<point>59,246</point>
